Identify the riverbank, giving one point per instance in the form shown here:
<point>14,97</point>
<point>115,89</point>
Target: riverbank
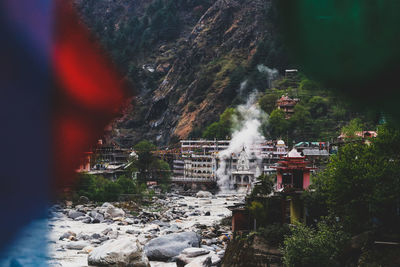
<point>75,231</point>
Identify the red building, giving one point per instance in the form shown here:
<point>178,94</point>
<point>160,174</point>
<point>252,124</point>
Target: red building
<point>287,104</point>
<point>293,177</point>
<point>241,219</point>
<point>85,162</point>
<point>293,172</point>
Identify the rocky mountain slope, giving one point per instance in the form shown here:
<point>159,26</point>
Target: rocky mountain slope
<point>186,75</point>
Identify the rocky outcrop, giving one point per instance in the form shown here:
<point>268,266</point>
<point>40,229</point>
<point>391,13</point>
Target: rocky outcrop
<point>109,211</point>
<point>121,252</point>
<point>75,214</point>
<point>184,84</point>
<point>224,39</point>
<point>166,247</point>
<point>198,257</point>
<point>253,251</point>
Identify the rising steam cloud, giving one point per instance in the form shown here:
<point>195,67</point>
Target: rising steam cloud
<point>247,132</point>
<point>272,74</point>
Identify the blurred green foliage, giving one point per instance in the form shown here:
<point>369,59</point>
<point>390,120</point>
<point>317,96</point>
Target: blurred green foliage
<point>308,247</point>
<point>361,184</point>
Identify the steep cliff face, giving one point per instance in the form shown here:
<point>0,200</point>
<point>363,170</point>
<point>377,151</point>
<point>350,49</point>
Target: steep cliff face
<point>193,76</point>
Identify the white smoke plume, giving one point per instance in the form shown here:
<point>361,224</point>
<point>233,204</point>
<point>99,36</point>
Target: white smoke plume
<point>272,74</point>
<point>247,132</point>
<point>243,86</point>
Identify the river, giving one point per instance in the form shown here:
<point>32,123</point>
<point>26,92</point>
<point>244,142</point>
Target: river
<point>194,214</point>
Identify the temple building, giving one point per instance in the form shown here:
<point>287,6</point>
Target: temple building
<point>287,104</point>
<point>242,176</point>
<point>293,177</point>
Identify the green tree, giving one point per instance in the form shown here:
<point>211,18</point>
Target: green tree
<point>148,165</point>
<point>127,184</point>
<point>268,102</point>
<point>308,247</point>
<point>162,171</point>
<point>84,185</point>
<point>144,150</point>
<point>300,121</point>
<point>350,130</point>
<point>222,128</point>
<point>361,184</point>
<point>258,211</point>
<point>309,85</point>
<point>112,191</point>
<point>318,106</point>
<point>264,187</point>
<point>278,124</point>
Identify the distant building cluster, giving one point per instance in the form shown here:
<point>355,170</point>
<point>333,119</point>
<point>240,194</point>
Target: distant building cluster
<point>107,160</point>
<point>200,161</point>
<point>197,161</point>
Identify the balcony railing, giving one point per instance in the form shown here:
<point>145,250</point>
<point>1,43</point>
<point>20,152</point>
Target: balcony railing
<point>284,186</point>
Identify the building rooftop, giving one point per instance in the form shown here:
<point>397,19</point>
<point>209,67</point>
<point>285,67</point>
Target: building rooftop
<point>315,152</point>
<point>294,154</point>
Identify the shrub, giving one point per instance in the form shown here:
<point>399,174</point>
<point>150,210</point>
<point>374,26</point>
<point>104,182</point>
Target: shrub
<point>127,184</point>
<point>274,233</point>
<point>314,247</point>
<point>100,189</point>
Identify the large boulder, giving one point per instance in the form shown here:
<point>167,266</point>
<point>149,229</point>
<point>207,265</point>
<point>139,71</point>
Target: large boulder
<point>166,247</point>
<point>115,212</point>
<point>109,211</point>
<point>77,245</point>
<point>73,214</point>
<point>97,217</point>
<point>84,200</point>
<point>203,194</point>
<point>121,252</point>
<point>84,219</point>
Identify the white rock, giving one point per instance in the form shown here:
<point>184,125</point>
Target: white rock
<point>114,212</point>
<point>165,247</point>
<point>129,221</point>
<point>121,252</point>
<point>203,194</point>
<point>113,234</point>
<point>78,245</point>
<point>194,252</point>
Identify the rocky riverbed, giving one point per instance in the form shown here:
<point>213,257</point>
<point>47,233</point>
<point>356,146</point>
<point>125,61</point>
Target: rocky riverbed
<point>173,230</point>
